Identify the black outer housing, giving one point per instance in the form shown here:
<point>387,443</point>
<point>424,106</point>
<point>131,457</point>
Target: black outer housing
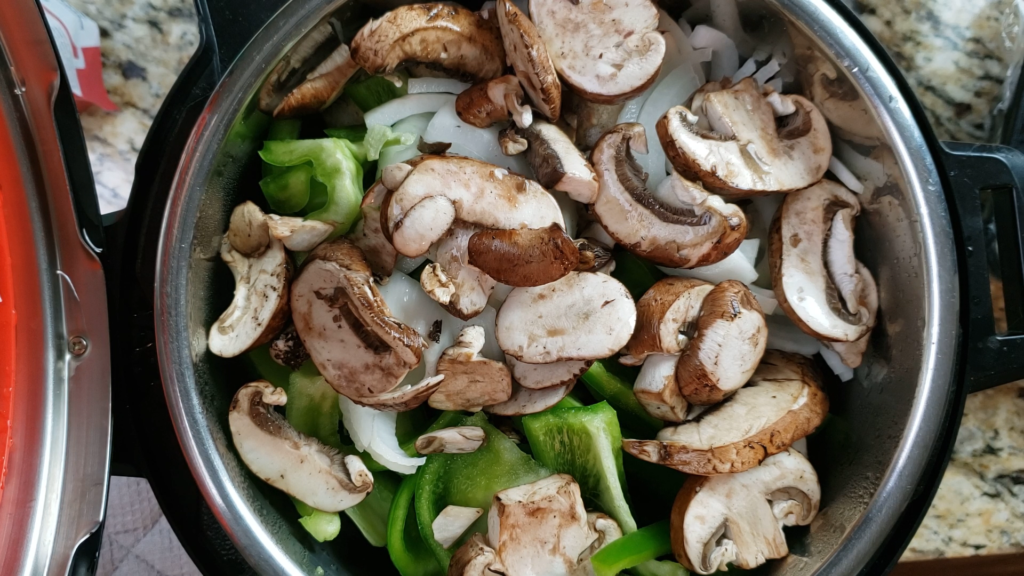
<point>144,440</point>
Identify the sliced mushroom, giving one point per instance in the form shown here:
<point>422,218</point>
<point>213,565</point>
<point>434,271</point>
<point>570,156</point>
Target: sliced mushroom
<point>291,461</point>
<point>453,280</point>
<point>607,51</point>
<point>542,376</point>
<point>592,120</point>
<point>470,380</point>
<point>293,68</point>
<point>852,353</point>
<point>476,558</point>
<point>583,316</point>
<point>259,308</point>
<point>445,35</point>
<point>528,56</point>
<point>474,192</point>
<point>594,256</point>
<point>359,348</point>
<point>368,236</point>
<point>814,273</point>
<point>512,142</point>
<point>453,522</point>
<point>488,103</point>
<point>701,229</point>
<point>298,234</point>
<point>557,163</point>
<point>840,102</point>
<point>748,151</point>
<point>456,440</point>
<point>524,257</point>
<point>782,403</point>
<point>607,530</point>
<point>656,389</point>
<point>523,520</point>
<point>731,338</point>
<point>738,518</point>
<point>666,317</point>
<point>287,350</point>
<point>525,401</point>
<point>321,87</point>
<point>404,397</point>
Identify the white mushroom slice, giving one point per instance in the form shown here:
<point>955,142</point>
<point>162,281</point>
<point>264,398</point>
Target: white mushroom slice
<point>607,51</point>
<point>528,56</point>
<point>852,353</point>
<point>259,308</point>
<point>522,521</point>
<point>471,381</point>
<point>525,401</point>
<point>524,257</point>
<point>368,236</point>
<point>541,376</point>
<point>248,230</point>
<point>299,60</point>
<point>445,35</point>
<point>666,317</point>
<point>699,229</point>
<point>748,150</point>
<point>488,103</point>
<point>456,440</point>
<point>738,518</point>
<point>731,336</point>
<point>453,522</point>
<point>592,120</point>
<point>782,403</point>
<point>583,316</point>
<point>351,336</point>
<point>452,280</point>
<point>840,102</point>
<point>511,142</point>
<point>594,256</point>
<point>557,163</point>
<point>482,194</point>
<point>476,558</point>
<point>321,87</point>
<point>810,257</point>
<point>291,461</point>
<point>656,389</point>
<point>404,397</point>
<point>298,234</point>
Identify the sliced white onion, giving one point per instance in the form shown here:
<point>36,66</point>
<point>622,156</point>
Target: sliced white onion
<point>682,43</point>
<point>733,267</point>
<point>725,58</point>
<point>867,170</point>
<point>725,16</point>
<point>673,90</point>
<point>570,211</point>
<point>786,336</point>
<point>415,125</point>
<point>597,232</point>
<point>766,207</point>
<point>699,11</point>
<point>373,432</point>
<point>501,291</point>
<point>436,85</point>
<point>835,363</point>
<point>453,522</point>
<point>767,71</point>
<point>406,265</point>
<point>765,297</point>
<point>631,111</point>
<point>749,248</point>
<point>685,27</point>
<point>394,110</point>
<point>775,84</point>
<point>845,176</point>
<point>470,141</point>
<point>745,71</point>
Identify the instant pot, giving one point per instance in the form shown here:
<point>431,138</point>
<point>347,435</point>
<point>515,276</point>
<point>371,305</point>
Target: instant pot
<point>112,317</point>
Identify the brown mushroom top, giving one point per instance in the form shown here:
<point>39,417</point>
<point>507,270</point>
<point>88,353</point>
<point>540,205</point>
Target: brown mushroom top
<point>529,58</point>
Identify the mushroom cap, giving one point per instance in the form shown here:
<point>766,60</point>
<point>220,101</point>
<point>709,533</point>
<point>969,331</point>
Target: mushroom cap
<point>348,329</point>
<point>738,518</point>
<point>542,376</point>
<point>557,163</point>
<point>656,389</point>
<point>259,308</point>
<point>606,51</point>
<point>288,460</point>
<point>731,338</point>
<point>840,102</point>
<point>287,350</point>
<point>368,236</point>
<point>446,35</point>
<point>470,380</point>
<point>524,257</point>
<point>803,233</point>
<point>321,87</point>
<point>294,66</point>
<point>298,234</point>
<point>665,318</point>
<point>523,520</point>
<point>528,55</point>
<point>452,280</point>
<point>454,440</point>
<point>493,101</point>
<point>525,401</point>
<point>852,353</point>
<point>476,558</point>
<point>404,397</point>
<point>480,193</point>
<point>248,229</point>
<point>782,403</point>
<point>582,316</point>
<point>702,230</point>
<point>749,151</point>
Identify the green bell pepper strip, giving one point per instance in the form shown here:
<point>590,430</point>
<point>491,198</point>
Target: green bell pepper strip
<point>312,406</point>
<point>369,92</point>
<point>266,368</point>
<point>323,526</point>
<point>633,549</point>
<point>408,552</point>
<point>470,480</point>
<point>585,443</point>
<point>337,163</point>
<point>374,139</point>
<point>350,133</point>
<point>659,568</point>
<point>286,189</point>
<point>604,381</point>
<point>371,515</point>
<point>284,129</point>
<point>637,274</point>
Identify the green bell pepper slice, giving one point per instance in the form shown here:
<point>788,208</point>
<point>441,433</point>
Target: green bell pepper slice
<point>637,274</point>
<point>470,480</point>
<point>266,368</point>
<point>371,91</point>
<point>633,549</point>
<point>322,526</point>
<point>371,515</point>
<point>408,552</point>
<point>606,380</point>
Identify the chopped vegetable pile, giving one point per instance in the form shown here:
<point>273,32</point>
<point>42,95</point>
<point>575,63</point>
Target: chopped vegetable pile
<point>497,211</point>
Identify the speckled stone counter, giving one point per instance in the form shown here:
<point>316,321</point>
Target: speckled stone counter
<point>956,54</point>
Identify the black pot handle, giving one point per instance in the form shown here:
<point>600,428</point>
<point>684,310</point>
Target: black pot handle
<point>996,174</point>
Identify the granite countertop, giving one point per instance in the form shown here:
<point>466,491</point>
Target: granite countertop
<point>956,55</point>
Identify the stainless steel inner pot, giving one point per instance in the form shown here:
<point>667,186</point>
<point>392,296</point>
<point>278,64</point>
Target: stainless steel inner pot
<point>888,418</point>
